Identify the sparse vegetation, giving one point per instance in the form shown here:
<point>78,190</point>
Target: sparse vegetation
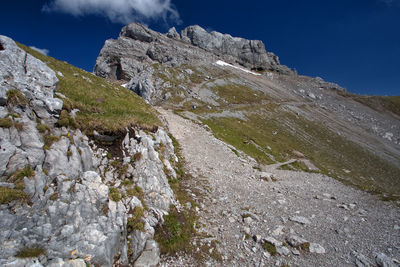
<point>114,194</point>
<point>54,197</point>
<point>330,152</point>
<point>239,94</point>
<point>7,195</point>
<point>267,246</point>
<point>49,140</point>
<point>6,122</point>
<point>66,120</point>
<point>176,232</point>
<point>16,98</point>
<point>136,222</point>
<point>43,128</point>
<point>136,192</point>
<point>31,252</point>
<point>378,103</point>
<point>105,107</point>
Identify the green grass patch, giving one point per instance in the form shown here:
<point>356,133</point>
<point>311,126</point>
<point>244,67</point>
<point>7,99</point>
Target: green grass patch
<point>136,192</point>
<point>66,120</point>
<point>18,177</point>
<point>239,94</point>
<point>6,122</point>
<point>43,128</point>
<point>31,252</point>
<point>269,247</point>
<point>49,140</point>
<point>104,106</point>
<point>7,195</point>
<point>114,194</point>
<point>176,232</point>
<point>378,103</point>
<point>135,223</point>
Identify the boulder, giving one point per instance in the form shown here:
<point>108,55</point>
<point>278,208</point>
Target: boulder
<point>172,33</point>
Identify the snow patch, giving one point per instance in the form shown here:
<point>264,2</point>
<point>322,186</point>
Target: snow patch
<point>222,63</point>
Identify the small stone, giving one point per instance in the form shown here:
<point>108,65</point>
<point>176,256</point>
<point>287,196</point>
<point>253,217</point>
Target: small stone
<point>326,195</point>
<point>384,261</point>
<point>362,212</point>
<point>296,252</point>
<point>248,220</point>
<point>231,219</point>
<point>281,201</point>
<point>278,231</point>
<point>246,230</point>
<point>283,251</point>
<point>296,241</point>
<point>300,220</point>
<point>317,248</point>
<point>257,238</point>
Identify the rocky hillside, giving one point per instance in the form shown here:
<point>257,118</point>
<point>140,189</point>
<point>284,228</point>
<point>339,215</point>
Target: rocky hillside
<point>84,167</point>
<point>239,90</point>
<point>190,149</point>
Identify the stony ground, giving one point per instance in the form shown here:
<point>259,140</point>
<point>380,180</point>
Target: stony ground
<point>343,226</point>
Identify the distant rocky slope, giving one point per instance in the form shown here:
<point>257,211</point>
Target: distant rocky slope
<point>261,107</point>
<point>66,198</point>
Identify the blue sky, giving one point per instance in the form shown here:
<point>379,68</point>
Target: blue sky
<point>355,43</point>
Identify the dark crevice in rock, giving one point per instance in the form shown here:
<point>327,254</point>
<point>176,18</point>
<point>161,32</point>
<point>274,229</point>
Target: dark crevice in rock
<point>25,67</point>
<point>1,47</point>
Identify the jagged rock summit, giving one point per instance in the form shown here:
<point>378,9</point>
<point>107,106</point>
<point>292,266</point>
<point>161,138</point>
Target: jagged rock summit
<point>137,46</point>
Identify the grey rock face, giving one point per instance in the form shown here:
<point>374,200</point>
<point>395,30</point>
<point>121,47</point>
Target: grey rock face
<point>249,53</point>
<point>21,71</point>
<point>70,212</point>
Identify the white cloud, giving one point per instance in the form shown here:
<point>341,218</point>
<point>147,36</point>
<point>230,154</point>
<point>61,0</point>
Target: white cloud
<point>41,51</point>
<point>120,11</point>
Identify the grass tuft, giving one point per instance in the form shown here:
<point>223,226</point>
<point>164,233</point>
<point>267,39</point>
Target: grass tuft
<point>7,195</point>
<point>49,140</point>
<point>43,128</point>
<point>16,98</point>
<point>66,120</point>
<point>114,194</point>
<point>267,246</point>
<point>135,223</point>
<point>31,252</point>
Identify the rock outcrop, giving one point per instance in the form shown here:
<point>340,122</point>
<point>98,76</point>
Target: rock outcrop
<point>139,48</point>
<point>249,53</point>
<point>63,196</point>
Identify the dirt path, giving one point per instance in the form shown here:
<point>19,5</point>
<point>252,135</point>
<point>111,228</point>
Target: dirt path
<point>341,223</point>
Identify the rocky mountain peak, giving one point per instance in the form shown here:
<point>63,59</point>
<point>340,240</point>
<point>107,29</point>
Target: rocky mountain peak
<point>139,47</point>
<point>249,53</point>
